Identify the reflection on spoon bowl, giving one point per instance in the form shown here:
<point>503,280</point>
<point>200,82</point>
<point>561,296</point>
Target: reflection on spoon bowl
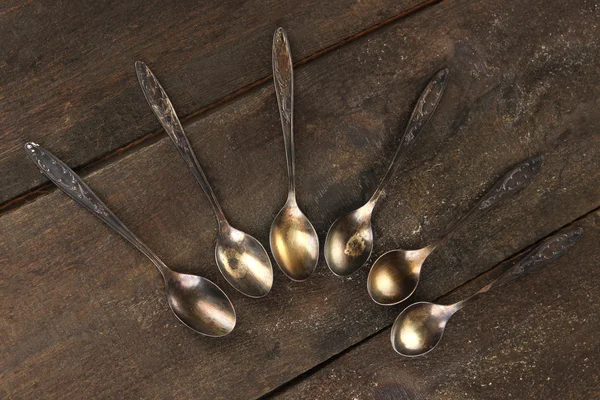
<point>200,304</point>
<point>419,328</point>
<point>244,262</point>
<point>294,243</point>
<point>349,241</point>
<point>395,275</point>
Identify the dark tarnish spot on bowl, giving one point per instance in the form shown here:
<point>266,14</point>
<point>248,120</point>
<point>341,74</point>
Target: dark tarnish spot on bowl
<point>355,246</point>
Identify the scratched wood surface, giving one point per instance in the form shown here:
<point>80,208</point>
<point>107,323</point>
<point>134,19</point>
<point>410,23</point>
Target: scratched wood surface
<point>84,315</point>
<point>536,338</point>
<point>66,67</point>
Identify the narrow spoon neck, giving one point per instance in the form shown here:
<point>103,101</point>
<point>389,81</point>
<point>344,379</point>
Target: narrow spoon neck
<point>224,226</point>
<point>369,206</point>
<point>459,305</point>
<point>456,226</point>
<point>221,220</point>
<point>291,197</point>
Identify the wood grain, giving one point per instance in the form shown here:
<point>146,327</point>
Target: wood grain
<point>536,338</point>
<point>67,76</point>
<point>84,315</point>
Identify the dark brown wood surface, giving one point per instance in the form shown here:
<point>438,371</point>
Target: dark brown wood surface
<point>84,315</point>
<point>67,75</point>
<point>536,338</point>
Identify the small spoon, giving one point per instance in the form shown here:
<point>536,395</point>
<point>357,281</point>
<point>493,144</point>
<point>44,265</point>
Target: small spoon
<point>241,258</point>
<point>419,328</point>
<point>395,275</point>
<point>294,241</point>
<point>349,241</point>
<point>197,302</point>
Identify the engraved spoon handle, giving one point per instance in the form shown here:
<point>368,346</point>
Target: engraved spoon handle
<point>70,183</point>
<point>163,109</point>
<point>511,183</point>
<point>283,77</point>
<point>424,109</point>
<point>551,249</point>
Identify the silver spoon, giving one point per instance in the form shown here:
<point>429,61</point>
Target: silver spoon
<point>197,302</point>
<point>349,241</point>
<point>419,328</point>
<point>395,275</point>
<point>294,241</point>
<point>241,258</point>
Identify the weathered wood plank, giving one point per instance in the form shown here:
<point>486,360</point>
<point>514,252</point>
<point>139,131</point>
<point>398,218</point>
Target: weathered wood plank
<point>66,75</point>
<point>537,338</point>
<point>73,328</point>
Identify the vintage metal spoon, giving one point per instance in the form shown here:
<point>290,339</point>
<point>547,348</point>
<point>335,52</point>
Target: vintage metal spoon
<point>196,301</point>
<point>349,241</point>
<point>294,241</point>
<point>419,328</point>
<point>395,275</point>
<point>241,258</point>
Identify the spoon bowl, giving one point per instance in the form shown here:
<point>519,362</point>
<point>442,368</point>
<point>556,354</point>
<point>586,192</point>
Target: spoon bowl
<point>349,242</point>
<point>294,242</point>
<point>395,275</point>
<point>419,328</point>
<point>200,304</point>
<point>244,262</point>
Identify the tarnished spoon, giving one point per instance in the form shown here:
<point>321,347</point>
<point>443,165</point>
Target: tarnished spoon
<point>349,241</point>
<point>197,302</point>
<point>395,275</point>
<point>419,328</point>
<point>294,241</point>
<point>241,258</point>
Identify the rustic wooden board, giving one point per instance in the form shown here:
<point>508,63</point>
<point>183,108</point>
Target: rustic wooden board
<point>537,338</point>
<point>74,328</point>
<point>67,75</point>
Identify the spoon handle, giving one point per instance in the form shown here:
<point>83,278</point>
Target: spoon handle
<point>70,183</point>
<point>163,109</point>
<point>512,182</point>
<point>424,109</point>
<point>283,77</point>
<point>551,249</point>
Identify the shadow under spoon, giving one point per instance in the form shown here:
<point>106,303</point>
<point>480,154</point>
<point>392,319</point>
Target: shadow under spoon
<point>197,302</point>
<point>395,275</point>
<point>419,328</point>
<point>349,241</point>
<point>241,258</point>
<point>293,239</point>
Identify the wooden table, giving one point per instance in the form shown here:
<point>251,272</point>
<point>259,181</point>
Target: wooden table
<point>83,314</point>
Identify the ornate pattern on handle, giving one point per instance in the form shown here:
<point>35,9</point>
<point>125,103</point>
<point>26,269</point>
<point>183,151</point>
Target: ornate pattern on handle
<point>513,181</point>
<point>283,74</point>
<point>426,105</point>
<point>283,77</point>
<point>70,183</point>
<point>509,184</point>
<point>161,106</point>
<point>59,173</point>
<point>551,249</point>
<point>163,109</point>
<point>422,113</point>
